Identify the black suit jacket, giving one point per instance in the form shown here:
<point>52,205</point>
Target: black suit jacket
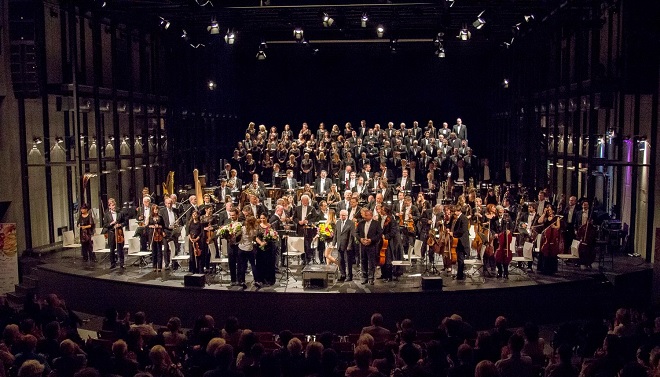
<point>223,218</point>
<point>375,235</point>
<point>276,222</point>
<point>218,193</point>
<point>326,186</point>
<point>297,216</point>
<point>261,209</point>
<point>166,218</point>
<point>107,220</point>
<point>285,184</point>
<point>344,239</point>
<point>408,186</point>
<point>461,231</point>
<point>462,134</point>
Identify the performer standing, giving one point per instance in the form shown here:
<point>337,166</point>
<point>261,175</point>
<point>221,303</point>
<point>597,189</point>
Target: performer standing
<point>369,234</point>
<point>246,251</point>
<point>550,241</point>
<point>156,236</point>
<point>233,250</point>
<point>265,254</point>
<point>86,225</point>
<point>303,215</point>
<point>344,240</point>
<point>172,231</point>
<point>114,228</point>
<point>460,231</point>
<point>209,225</point>
<point>194,230</point>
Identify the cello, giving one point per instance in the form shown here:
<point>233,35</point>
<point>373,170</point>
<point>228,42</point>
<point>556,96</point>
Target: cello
<point>587,235</point>
<point>382,255</point>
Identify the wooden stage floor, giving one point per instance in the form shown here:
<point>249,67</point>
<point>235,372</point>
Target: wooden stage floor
<point>571,293</point>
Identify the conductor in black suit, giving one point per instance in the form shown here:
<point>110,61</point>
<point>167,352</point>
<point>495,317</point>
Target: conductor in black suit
<point>344,240</point>
<point>369,233</point>
<point>304,215</point>
<point>172,231</point>
<point>113,220</point>
<point>459,229</point>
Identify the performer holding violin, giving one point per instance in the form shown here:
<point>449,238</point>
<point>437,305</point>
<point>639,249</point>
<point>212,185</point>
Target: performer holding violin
<point>194,231</point>
<point>156,236</point>
<point>210,245</point>
<point>489,240</point>
<point>391,247</point>
<point>114,228</point>
<point>550,240</point>
<point>461,239</point>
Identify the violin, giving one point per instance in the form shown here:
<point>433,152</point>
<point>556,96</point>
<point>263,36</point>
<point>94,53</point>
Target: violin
<point>198,250</point>
<point>157,235</point>
<point>119,235</point>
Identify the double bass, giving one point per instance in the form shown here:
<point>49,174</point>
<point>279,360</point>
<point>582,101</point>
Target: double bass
<point>587,235</point>
<point>503,253</point>
<point>382,255</point>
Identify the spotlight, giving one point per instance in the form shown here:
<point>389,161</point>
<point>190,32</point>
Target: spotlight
<point>211,85</point>
<point>230,37</point>
<point>439,39</point>
<point>165,24</point>
<point>451,2</point>
<point>184,35</point>
<point>380,30</point>
<point>37,140</point>
<point>298,34</point>
<point>213,28</point>
<point>505,83</point>
<point>393,46</point>
<point>516,28</point>
<point>529,18</point>
<point>464,34</point>
<point>261,53</point>
<point>327,20</point>
<point>59,140</point>
<point>441,52</point>
<point>480,22</point>
<point>364,19</point>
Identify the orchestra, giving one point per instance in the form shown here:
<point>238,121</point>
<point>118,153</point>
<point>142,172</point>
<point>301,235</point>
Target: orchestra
<point>359,184</point>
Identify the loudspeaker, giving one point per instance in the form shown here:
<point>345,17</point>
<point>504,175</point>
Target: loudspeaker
<point>194,280</point>
<point>431,283</point>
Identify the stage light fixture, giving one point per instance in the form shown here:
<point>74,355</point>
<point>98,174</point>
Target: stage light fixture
<point>327,20</point>
<point>393,46</point>
<point>464,34</point>
<point>214,27</point>
<point>439,39</point>
<point>184,35</point>
<point>505,83</point>
<point>211,85</point>
<point>480,21</point>
<point>441,52</point>
<point>529,18</point>
<point>230,37</point>
<point>165,24</point>
<point>364,19</point>
<point>451,2</point>
<point>261,53</point>
<point>380,31</point>
<point>298,34</point>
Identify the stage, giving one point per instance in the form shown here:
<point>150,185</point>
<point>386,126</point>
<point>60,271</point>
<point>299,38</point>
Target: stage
<point>344,307</point>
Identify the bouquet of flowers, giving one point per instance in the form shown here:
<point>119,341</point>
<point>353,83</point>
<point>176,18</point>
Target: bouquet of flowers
<point>269,235</point>
<point>229,230</point>
<point>326,232</point>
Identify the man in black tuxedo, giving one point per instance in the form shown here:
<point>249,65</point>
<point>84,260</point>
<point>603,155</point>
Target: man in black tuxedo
<point>172,231</point>
<point>387,173</point>
<point>460,129</point>
<point>289,185</point>
<point>113,220</point>
<point>224,217</point>
<point>223,193</point>
<point>257,187</point>
<point>256,207</point>
<point>404,184</point>
<point>459,229</point>
<point>304,216</point>
<point>276,222</point>
<point>369,233</point>
<point>570,221</point>
<point>344,230</point>
<point>226,173</point>
<point>322,184</point>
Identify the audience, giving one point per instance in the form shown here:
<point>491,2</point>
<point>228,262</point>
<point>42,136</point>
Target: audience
<point>49,348</point>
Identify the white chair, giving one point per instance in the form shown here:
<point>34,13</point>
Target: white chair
<point>134,251</point>
<point>414,252</point>
<point>527,257</point>
<point>69,240</point>
<point>132,224</point>
<point>99,249</point>
<point>295,249</point>
<point>574,255</point>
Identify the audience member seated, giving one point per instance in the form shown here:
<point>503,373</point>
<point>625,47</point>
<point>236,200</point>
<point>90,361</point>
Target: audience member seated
<point>120,364</point>
<point>140,322</point>
<point>391,359</point>
<point>562,366</point>
<point>376,330</point>
<point>464,368</point>
<point>362,367</point>
<point>173,335</point>
<point>72,359</point>
<point>161,364</point>
<point>516,365</point>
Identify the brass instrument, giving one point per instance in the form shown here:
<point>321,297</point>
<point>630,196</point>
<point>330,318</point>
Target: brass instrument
<point>168,185</point>
<point>198,188</point>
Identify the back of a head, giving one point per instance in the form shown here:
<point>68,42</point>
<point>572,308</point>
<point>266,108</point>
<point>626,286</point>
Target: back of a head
<point>231,325</point>
<point>464,353</point>
<point>28,342</point>
<point>31,368</point>
<point>314,351</point>
<point>52,330</point>
<point>362,355</point>
<point>623,316</point>
<point>285,336</point>
<point>174,324</point>
<point>516,343</point>
<point>633,369</point>
<point>214,344</point>
<point>329,359</point>
<point>87,372</point>
<point>158,356</point>
<point>294,346</point>
<point>409,335</point>
<point>410,354</point>
<point>224,356</point>
<point>377,319</point>
<point>406,324</point>
<point>119,348</point>
<point>565,353</point>
<point>367,340</point>
<point>485,368</point>
<point>501,323</point>
<point>139,318</point>
<point>68,347</point>
<point>531,331</point>
<point>325,338</point>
